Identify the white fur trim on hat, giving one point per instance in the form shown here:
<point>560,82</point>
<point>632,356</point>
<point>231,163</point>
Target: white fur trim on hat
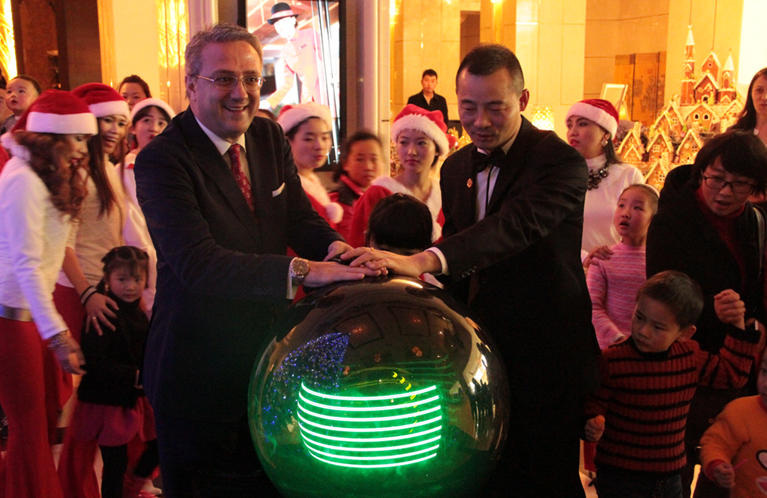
<point>594,114</point>
<point>110,108</point>
<point>424,125</point>
<point>151,101</point>
<point>290,118</point>
<point>62,124</point>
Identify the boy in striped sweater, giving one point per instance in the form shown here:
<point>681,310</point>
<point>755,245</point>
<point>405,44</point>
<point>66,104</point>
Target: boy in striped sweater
<point>639,413</point>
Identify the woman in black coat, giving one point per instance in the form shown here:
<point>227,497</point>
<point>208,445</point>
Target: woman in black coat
<point>706,228</point>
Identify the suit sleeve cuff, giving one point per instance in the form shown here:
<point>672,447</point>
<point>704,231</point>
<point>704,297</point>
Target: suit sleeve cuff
<point>442,260</point>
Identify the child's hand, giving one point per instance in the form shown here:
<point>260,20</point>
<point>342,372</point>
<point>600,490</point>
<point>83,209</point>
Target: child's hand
<point>724,475</point>
<point>595,427</point>
<point>730,308</point>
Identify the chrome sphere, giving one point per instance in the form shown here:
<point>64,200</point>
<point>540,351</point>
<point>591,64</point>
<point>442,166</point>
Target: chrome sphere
<point>384,387</point>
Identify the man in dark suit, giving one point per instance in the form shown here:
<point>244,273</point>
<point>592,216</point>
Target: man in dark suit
<point>223,201</point>
<point>427,98</point>
<point>513,206</point>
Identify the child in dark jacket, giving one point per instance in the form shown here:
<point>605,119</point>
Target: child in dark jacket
<point>112,407</point>
<point>639,413</point>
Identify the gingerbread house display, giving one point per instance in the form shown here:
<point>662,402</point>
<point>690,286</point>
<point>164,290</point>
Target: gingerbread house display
<point>670,121</point>
<point>689,147</point>
<point>701,116</point>
<point>707,104</point>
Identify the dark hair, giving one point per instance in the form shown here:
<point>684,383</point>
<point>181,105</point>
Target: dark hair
<point>611,155</point>
<point>346,149</point>
<point>429,72</point>
<point>218,33</point>
<point>650,193</point>
<point>740,152</point>
<point>400,221</point>
<point>134,78</point>
<point>134,259</point>
<point>678,292</point>
<point>291,133</point>
<point>145,111</point>
<point>34,82</point>
<point>489,58</point>
<point>747,117</point>
<point>66,185</point>
<point>97,170</point>
<point>269,114</point>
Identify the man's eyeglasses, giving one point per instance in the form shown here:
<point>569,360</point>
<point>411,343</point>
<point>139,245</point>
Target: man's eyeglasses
<point>719,183</point>
<point>229,82</point>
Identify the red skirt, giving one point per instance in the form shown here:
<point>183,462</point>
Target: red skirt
<point>113,425</point>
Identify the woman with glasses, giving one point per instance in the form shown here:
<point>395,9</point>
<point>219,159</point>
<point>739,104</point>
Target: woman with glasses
<point>707,228</point>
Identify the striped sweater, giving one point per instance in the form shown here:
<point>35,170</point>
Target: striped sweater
<point>645,398</point>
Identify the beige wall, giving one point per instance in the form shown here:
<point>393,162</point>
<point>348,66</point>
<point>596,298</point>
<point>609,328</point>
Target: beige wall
<point>426,35</point>
<point>550,48</point>
<point>135,34</point>
<point>621,28</point>
<point>548,36</point>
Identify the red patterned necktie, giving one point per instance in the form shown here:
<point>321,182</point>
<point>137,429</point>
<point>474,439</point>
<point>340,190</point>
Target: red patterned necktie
<point>239,174</point>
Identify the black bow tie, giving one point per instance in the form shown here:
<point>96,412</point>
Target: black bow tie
<point>482,161</point>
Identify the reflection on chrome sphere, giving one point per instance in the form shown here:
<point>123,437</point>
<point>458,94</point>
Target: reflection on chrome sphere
<point>379,388</point>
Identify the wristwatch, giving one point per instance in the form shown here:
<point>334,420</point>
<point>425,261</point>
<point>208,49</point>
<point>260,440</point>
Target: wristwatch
<point>299,269</point>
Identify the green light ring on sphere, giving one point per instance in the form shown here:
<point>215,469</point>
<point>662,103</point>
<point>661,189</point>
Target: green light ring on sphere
<point>375,466</point>
<point>367,422</point>
<point>375,439</point>
<point>367,398</point>
<point>374,458</point>
<point>374,448</point>
<point>366,408</point>
<point>371,429</point>
<point>354,420</point>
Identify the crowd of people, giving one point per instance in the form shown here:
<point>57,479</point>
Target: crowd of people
<point>148,253</point>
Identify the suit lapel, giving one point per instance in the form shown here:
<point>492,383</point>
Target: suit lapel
<point>467,194</point>
<point>263,178</point>
<point>212,164</point>
<point>515,163</point>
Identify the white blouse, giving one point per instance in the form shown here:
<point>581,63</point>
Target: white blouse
<point>33,237</point>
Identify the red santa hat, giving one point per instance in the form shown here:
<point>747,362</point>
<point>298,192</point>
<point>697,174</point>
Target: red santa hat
<point>431,123</point>
<point>599,111</point>
<point>293,115</point>
<point>102,100</point>
<point>151,101</point>
<point>59,112</point>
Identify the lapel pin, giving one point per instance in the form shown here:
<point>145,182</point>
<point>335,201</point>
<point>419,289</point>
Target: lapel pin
<point>469,183</point>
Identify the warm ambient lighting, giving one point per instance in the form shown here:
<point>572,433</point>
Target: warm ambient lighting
<point>543,117</point>
<point>375,432</point>
<point>7,43</point>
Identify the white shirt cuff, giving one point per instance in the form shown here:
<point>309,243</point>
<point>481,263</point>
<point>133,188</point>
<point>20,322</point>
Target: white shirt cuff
<point>442,260</point>
<point>291,291</point>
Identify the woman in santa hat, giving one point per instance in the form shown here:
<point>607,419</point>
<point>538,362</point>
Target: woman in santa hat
<point>108,219</point>
<point>591,128</point>
<point>41,191</point>
<point>421,140</point>
<point>307,127</point>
